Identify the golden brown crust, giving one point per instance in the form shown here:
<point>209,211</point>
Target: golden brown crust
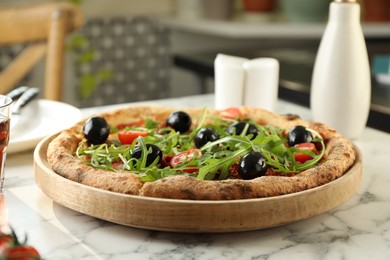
<point>339,154</point>
<point>60,156</point>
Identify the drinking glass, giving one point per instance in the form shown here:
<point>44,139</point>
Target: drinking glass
<point>5,112</point>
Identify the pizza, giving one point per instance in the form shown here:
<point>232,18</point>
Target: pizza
<point>200,153</point>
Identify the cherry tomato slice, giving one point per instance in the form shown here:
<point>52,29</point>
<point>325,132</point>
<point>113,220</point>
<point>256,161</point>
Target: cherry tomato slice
<point>22,252</point>
<point>231,113</point>
<point>301,157</point>
<point>179,158</point>
<point>5,242</point>
<point>127,137</point>
<point>165,161</point>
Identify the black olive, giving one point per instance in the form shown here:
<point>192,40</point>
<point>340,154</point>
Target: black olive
<point>298,134</point>
<point>180,121</point>
<point>96,130</point>
<point>204,136</point>
<point>252,165</point>
<point>240,126</point>
<point>151,157</point>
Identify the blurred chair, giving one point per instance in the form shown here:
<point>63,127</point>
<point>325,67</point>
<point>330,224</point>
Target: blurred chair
<point>42,29</point>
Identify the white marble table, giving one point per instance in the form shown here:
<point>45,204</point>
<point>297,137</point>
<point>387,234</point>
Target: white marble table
<point>358,229</point>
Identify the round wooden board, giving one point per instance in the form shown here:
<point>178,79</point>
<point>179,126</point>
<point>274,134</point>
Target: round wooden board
<point>189,215</point>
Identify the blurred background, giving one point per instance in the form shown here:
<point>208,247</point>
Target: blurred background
<point>129,50</point>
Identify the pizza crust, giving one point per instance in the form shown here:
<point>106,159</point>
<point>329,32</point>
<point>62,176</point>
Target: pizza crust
<point>339,157</point>
<point>60,155</point>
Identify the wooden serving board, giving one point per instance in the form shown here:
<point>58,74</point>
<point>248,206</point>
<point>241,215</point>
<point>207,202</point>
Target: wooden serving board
<point>189,215</point>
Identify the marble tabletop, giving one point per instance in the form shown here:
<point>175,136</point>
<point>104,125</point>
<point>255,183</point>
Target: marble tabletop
<point>357,229</point>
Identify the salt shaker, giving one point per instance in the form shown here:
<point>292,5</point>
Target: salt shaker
<point>261,83</point>
<point>341,84</point>
<point>229,78</point>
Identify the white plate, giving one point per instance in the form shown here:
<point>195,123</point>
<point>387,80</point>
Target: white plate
<point>50,117</point>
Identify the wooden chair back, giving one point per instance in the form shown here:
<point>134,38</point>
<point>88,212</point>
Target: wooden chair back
<point>43,28</point>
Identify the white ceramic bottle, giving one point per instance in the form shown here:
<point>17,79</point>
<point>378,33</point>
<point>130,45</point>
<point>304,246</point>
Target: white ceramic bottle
<point>341,83</point>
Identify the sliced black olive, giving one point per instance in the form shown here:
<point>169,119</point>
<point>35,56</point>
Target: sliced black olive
<point>204,136</point>
<point>239,127</point>
<point>298,134</point>
<point>96,130</point>
<point>180,121</point>
<point>252,165</point>
<point>151,157</point>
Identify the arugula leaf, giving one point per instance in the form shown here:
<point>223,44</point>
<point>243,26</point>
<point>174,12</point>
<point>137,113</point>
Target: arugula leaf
<point>222,161</point>
<point>200,125</point>
<point>151,124</point>
<point>217,157</point>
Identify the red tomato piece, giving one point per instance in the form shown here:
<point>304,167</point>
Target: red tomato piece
<point>301,157</point>
<point>179,158</point>
<point>22,252</point>
<point>5,242</point>
<point>166,160</point>
<point>233,170</point>
<point>231,113</point>
<point>127,137</point>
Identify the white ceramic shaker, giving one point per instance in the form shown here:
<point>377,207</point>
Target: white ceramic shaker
<point>341,84</point>
<point>261,83</point>
<point>229,78</point>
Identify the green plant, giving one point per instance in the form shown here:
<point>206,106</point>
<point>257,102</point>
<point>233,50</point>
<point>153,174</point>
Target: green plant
<point>84,54</point>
